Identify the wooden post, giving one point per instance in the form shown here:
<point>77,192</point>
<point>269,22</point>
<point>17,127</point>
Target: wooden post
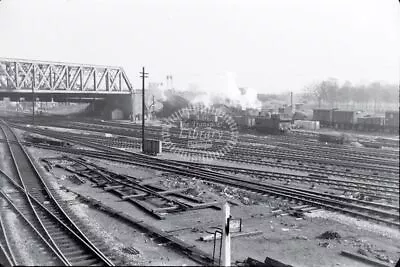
<point>143,76</point>
<point>33,95</point>
<point>226,236</point>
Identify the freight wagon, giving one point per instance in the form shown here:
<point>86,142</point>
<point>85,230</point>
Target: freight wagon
<point>152,147</point>
<point>344,119</point>
<point>273,125</point>
<point>336,138</point>
<point>299,116</point>
<point>324,116</point>
<point>307,125</point>
<point>348,119</point>
<point>392,121</point>
<point>244,122</point>
<point>370,123</point>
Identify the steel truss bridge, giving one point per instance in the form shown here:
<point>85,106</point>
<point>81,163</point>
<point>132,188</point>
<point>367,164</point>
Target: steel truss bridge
<point>23,76</point>
<point>105,88</point>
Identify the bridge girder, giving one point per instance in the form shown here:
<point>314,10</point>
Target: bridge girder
<point>54,77</point>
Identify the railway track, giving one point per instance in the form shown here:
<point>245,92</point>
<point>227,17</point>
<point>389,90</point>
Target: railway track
<point>7,257</point>
<point>386,189</point>
<point>320,171</point>
<point>293,140</point>
<point>44,211</point>
<point>130,189</point>
<point>281,140</point>
<point>18,208</point>
<point>371,190</point>
<point>284,151</point>
<point>247,154</point>
<point>388,215</point>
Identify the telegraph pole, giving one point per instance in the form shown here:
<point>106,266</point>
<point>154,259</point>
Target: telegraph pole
<point>33,96</point>
<point>154,106</point>
<point>143,76</point>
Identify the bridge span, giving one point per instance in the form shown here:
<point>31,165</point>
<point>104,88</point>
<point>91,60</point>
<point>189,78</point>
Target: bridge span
<point>107,88</point>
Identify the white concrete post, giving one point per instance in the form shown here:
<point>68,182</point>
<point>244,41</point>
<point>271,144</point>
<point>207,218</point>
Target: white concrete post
<point>226,236</point>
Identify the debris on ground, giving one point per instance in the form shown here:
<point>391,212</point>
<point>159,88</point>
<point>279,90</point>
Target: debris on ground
<point>330,235</point>
<point>362,252</point>
<point>383,258</point>
<point>75,179</point>
<point>301,237</point>
<point>366,249</point>
<point>297,214</point>
<point>365,259</point>
<point>130,250</point>
<point>324,244</point>
<point>250,262</point>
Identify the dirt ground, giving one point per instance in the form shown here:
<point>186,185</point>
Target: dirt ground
<point>286,238</point>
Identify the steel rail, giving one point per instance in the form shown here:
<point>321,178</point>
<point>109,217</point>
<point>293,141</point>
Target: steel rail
<point>251,160</point>
<point>375,187</point>
<point>45,195</point>
<point>129,128</point>
<point>277,139</point>
<point>33,228</point>
<point>5,259</point>
<point>6,252</point>
<point>21,183</point>
<point>365,188</point>
<point>56,226</point>
<point>285,155</point>
<point>350,183</point>
<point>294,138</point>
<point>186,169</point>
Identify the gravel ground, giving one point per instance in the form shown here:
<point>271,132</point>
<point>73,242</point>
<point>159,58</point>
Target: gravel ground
<point>4,159</point>
<point>284,238</point>
<point>27,250</point>
<point>359,224</point>
<point>119,235</point>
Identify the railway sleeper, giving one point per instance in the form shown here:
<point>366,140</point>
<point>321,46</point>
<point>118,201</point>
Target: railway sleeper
<point>89,262</point>
<point>46,220</point>
<point>52,228</point>
<point>58,235</point>
<point>71,249</point>
<point>74,253</point>
<point>83,256</point>
<point>64,241</point>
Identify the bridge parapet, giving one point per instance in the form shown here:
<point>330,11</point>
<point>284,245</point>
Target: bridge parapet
<point>55,77</point>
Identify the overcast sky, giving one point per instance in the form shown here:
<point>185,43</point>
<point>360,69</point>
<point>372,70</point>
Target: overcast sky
<point>270,45</point>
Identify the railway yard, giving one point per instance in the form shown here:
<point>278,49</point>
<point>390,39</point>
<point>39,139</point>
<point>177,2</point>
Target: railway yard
<point>81,192</point>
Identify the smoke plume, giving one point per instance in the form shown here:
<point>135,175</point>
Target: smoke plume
<point>224,90</point>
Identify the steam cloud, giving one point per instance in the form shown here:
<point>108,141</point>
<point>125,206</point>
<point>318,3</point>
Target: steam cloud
<point>225,91</point>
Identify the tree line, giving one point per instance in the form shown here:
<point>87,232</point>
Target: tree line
<point>330,93</point>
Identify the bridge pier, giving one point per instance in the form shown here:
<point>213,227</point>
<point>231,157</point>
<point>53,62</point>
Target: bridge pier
<point>112,108</point>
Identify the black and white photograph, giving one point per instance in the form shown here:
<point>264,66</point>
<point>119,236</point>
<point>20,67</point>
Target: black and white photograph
<point>248,133</point>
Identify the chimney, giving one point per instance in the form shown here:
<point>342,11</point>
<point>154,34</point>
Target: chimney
<point>291,102</point>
